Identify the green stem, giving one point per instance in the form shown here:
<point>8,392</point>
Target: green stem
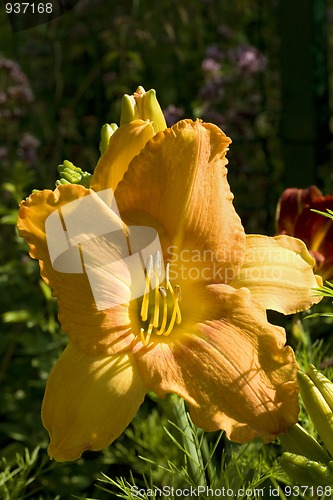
<point>196,468</point>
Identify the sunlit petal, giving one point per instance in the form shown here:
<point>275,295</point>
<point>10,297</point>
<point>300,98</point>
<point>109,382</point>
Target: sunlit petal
<point>90,327</point>
<point>125,143</point>
<point>279,273</point>
<point>89,401</point>
<point>178,185</point>
<point>232,368</point>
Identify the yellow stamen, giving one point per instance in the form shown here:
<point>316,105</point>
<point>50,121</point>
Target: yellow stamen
<point>158,321</point>
<point>167,274</point>
<point>145,341</point>
<point>173,317</point>
<point>176,299</point>
<point>157,272</point>
<point>165,311</point>
<point>179,296</point>
<point>145,300</point>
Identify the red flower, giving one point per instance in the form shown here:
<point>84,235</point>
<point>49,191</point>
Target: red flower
<point>294,216</point>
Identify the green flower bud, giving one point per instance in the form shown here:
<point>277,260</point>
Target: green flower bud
<point>106,132</point>
<point>307,472</point>
<point>144,106</point>
<point>70,174</point>
<point>298,440</point>
<point>318,409</point>
<point>323,383</point>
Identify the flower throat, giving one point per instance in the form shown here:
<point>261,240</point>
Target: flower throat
<point>160,302</point>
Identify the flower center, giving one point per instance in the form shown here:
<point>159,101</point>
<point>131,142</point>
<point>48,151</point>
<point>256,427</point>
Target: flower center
<point>160,304</point>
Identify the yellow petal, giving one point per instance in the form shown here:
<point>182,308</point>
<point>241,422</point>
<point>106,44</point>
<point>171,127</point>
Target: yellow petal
<point>89,401</point>
<point>92,328</point>
<point>279,273</point>
<point>125,143</point>
<point>233,368</point>
<point>178,185</point>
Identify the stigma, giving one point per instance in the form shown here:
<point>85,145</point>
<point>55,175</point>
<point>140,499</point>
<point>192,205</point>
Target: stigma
<point>160,302</point>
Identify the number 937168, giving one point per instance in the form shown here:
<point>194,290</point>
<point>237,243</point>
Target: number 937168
<point>28,8</point>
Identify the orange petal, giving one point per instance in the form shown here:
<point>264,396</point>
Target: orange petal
<point>279,273</point>
<point>126,142</point>
<point>178,185</point>
<point>90,328</point>
<point>233,368</point>
<point>89,401</point>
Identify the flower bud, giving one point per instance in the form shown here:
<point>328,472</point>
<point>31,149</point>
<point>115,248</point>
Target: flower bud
<point>323,383</point>
<point>142,105</point>
<point>106,132</point>
<point>307,472</point>
<point>318,409</point>
<point>70,174</point>
<point>298,440</point>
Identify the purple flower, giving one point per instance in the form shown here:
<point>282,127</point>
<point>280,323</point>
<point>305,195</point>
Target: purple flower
<point>209,65</point>
<point>250,60</point>
<point>214,52</point>
<point>173,114</point>
<point>27,148</point>
<point>15,89</point>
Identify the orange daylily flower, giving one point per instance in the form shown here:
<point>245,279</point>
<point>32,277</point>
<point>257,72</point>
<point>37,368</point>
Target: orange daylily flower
<point>203,332</point>
<point>294,216</point>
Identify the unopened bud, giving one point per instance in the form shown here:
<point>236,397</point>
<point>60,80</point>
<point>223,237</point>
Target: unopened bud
<point>298,440</point>
<point>70,174</point>
<point>307,472</point>
<point>144,106</point>
<point>323,383</point>
<point>318,409</point>
<point>106,132</point>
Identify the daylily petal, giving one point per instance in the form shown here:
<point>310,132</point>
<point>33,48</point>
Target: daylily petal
<point>92,329</point>
<point>178,186</point>
<point>89,401</point>
<point>279,273</point>
<point>290,205</point>
<point>247,383</point>
<point>125,143</point>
